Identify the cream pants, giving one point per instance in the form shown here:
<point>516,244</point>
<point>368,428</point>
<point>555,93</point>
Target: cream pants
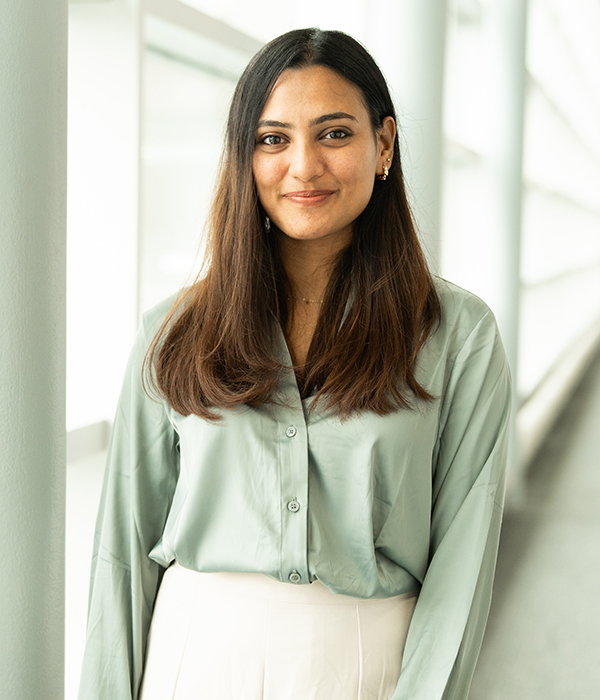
<point>230,636</point>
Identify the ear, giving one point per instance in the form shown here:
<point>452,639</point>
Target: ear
<point>385,142</point>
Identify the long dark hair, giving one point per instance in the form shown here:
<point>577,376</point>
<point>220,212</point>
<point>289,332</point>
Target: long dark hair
<point>216,349</point>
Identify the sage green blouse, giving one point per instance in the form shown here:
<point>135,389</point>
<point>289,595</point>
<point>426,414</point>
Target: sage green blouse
<point>372,506</point>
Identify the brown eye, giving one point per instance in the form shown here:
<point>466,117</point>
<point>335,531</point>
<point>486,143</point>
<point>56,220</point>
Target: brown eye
<point>270,140</point>
<point>336,134</point>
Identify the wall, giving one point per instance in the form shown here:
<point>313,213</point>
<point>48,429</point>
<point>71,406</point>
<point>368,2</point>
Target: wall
<point>33,144</point>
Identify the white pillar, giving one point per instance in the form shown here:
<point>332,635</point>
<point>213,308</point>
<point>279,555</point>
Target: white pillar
<point>410,44</point>
<point>505,38</point>
<point>33,129</point>
<point>505,34</point>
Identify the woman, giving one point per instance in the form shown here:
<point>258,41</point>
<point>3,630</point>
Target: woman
<point>328,444</point>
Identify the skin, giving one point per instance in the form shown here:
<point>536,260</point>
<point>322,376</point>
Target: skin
<point>315,162</point>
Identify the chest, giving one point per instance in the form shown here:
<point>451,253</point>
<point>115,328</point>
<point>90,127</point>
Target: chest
<point>301,330</point>
<point>258,452</point>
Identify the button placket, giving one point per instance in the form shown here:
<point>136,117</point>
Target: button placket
<point>293,451</point>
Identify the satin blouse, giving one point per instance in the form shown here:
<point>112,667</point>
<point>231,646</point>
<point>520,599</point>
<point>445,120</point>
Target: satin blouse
<point>372,506</point>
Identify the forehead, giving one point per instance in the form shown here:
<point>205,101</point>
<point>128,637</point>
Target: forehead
<point>312,91</point>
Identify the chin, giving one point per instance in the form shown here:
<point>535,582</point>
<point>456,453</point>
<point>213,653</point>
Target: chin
<point>307,235</point>
<point>312,234</point>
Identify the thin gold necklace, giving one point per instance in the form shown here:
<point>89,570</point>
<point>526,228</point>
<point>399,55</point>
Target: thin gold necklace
<point>308,301</point>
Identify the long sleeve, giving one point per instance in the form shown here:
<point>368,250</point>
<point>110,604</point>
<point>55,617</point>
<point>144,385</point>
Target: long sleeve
<point>139,481</point>
<point>447,628</point>
<point>387,503</point>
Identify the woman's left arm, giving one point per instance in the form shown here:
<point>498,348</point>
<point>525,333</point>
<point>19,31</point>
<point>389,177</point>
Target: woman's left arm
<point>447,627</point>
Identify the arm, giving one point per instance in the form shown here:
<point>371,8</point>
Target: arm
<point>447,627</point>
<point>139,481</point>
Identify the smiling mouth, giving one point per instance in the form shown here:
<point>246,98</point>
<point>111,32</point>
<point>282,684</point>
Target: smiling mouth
<point>308,197</point>
<point>308,193</point>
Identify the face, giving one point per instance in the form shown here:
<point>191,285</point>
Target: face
<point>316,156</point>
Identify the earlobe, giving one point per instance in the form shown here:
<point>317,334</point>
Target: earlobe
<point>386,170</point>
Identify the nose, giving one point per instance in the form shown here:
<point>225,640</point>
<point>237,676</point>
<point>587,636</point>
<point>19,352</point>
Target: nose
<point>305,162</point>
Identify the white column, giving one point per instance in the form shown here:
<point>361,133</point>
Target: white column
<point>33,130</point>
<point>505,34</point>
<point>408,38</point>
<point>505,38</point>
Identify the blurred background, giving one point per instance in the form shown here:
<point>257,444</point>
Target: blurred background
<point>499,107</point>
<point>499,110</point>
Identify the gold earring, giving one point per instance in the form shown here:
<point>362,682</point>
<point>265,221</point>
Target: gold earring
<point>383,176</point>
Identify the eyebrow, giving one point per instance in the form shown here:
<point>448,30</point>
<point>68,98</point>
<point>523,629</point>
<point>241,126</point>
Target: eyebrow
<point>319,120</point>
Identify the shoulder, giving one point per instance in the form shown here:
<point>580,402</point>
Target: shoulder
<point>464,317</point>
<point>151,324</point>
<point>167,309</point>
<point>459,306</point>
<point>462,311</point>
<point>153,318</point>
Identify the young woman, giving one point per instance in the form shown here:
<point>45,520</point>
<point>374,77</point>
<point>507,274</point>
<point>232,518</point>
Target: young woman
<point>308,503</point>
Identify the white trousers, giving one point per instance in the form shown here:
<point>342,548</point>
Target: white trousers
<point>230,636</point>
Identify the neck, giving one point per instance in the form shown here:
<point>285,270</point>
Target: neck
<point>308,263</point>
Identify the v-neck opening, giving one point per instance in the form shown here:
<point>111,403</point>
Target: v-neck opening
<point>289,378</point>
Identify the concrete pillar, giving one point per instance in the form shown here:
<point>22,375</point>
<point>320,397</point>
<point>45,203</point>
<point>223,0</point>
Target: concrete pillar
<point>409,42</point>
<point>33,129</point>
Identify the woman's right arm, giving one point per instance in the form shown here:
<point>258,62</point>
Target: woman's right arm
<point>139,482</point>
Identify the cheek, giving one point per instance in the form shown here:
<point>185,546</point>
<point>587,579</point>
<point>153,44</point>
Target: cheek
<point>360,182</point>
<point>356,170</point>
<point>267,176</point>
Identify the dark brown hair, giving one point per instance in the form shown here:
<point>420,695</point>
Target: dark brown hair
<point>216,349</point>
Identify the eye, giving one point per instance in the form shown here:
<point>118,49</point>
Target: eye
<point>270,140</point>
<point>336,134</point>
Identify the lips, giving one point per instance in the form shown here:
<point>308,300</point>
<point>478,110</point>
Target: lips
<point>307,197</point>
<point>308,193</point>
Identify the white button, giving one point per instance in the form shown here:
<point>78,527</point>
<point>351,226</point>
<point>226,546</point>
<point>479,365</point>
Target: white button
<point>295,577</point>
<point>294,506</point>
<point>291,431</point>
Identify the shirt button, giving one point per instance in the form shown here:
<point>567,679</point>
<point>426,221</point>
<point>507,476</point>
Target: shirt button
<point>291,431</point>
<point>294,506</point>
<point>294,577</point>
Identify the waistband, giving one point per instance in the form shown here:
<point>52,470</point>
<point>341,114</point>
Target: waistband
<point>255,585</point>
